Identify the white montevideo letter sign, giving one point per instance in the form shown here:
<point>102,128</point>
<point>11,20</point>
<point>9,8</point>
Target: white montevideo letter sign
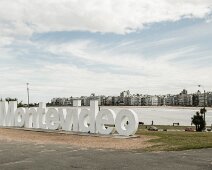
<point>75,119</point>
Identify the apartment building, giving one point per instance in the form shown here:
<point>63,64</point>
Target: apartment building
<point>185,99</point>
<point>169,100</point>
<point>156,101</point>
<point>209,99</point>
<point>203,99</point>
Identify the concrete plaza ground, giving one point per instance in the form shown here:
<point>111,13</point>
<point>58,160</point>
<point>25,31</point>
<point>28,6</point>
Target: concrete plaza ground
<point>15,155</point>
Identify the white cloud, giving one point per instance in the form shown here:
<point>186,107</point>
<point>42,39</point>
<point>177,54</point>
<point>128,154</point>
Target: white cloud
<point>151,73</point>
<point>117,16</point>
<point>65,80</point>
<point>21,18</point>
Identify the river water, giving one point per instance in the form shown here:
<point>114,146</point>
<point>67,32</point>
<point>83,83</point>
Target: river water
<point>164,115</point>
<point>167,115</point>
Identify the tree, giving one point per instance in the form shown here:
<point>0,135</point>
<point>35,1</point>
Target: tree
<point>20,104</point>
<point>11,99</point>
<point>198,121</point>
<point>203,111</point>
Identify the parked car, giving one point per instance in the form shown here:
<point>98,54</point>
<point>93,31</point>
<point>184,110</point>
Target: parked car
<point>153,128</point>
<point>189,129</point>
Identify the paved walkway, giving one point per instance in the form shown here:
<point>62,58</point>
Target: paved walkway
<point>16,155</point>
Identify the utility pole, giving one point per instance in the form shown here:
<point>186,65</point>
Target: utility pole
<point>28,93</point>
<point>204,104</point>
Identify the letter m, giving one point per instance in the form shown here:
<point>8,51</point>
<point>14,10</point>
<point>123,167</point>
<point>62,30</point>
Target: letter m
<point>7,113</point>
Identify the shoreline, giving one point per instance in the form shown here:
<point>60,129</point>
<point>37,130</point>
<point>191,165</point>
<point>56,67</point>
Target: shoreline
<point>148,107</point>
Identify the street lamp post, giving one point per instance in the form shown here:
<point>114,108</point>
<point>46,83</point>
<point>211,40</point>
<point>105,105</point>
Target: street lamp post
<point>204,99</point>
<point>28,93</point>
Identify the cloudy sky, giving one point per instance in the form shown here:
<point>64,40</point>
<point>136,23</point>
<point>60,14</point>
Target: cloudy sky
<point>69,48</point>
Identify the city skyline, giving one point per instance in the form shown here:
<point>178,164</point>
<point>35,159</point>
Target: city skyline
<point>91,94</point>
<point>75,47</point>
<point>128,99</point>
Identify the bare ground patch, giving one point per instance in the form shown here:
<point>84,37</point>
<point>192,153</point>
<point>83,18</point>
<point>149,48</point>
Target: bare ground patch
<point>75,140</point>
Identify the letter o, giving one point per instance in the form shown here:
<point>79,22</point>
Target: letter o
<point>131,127</point>
<point>20,117</point>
